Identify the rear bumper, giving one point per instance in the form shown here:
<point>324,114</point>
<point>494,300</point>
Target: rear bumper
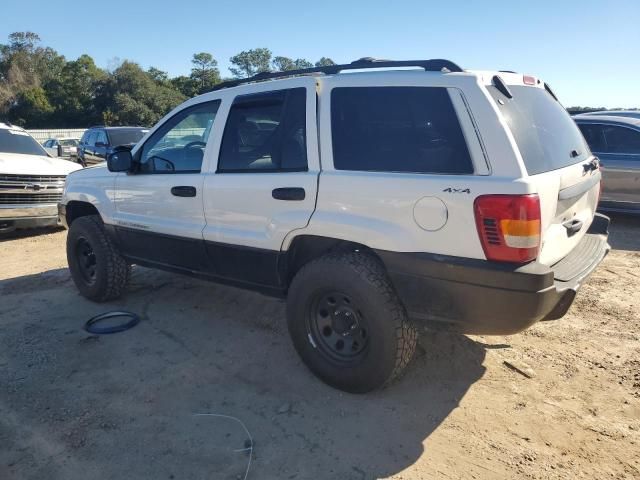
<point>492,298</point>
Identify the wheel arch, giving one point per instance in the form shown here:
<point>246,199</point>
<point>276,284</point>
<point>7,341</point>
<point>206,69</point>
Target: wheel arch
<point>75,209</point>
<point>306,248</point>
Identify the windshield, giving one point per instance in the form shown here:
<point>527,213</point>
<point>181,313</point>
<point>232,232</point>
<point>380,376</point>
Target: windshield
<point>547,137</point>
<point>17,141</point>
<point>124,137</point>
<point>69,142</point>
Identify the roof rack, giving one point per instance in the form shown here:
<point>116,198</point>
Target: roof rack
<point>433,65</point>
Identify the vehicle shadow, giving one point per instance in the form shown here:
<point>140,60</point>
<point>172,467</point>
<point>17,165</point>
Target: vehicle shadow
<point>206,348</point>
<point>624,232</point>
<point>27,232</point>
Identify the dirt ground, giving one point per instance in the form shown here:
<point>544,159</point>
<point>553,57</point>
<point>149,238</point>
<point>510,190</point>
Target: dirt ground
<point>76,406</point>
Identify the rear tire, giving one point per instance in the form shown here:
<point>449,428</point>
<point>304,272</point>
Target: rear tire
<point>347,323</point>
<point>97,268</point>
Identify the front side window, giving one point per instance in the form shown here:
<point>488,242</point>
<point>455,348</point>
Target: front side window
<point>594,135</point>
<point>397,129</point>
<point>622,140</point>
<point>178,145</point>
<point>266,132</point>
<point>101,137</point>
<point>91,138</point>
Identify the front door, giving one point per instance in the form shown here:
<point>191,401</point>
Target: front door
<point>159,216</point>
<point>265,183</point>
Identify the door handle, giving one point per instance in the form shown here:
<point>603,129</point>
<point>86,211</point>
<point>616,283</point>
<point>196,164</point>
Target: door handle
<point>183,191</point>
<point>288,193</point>
<point>573,227</point>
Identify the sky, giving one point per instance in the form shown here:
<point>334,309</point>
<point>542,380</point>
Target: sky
<point>587,50</point>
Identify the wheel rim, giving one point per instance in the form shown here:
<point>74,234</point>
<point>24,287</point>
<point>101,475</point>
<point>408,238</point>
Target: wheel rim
<point>337,327</point>
<point>86,260</point>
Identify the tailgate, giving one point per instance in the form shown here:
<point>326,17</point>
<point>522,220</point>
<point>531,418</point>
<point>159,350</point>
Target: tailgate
<point>558,161</point>
<point>568,201</point>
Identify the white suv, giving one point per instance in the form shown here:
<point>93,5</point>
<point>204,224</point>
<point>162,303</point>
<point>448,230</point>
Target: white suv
<point>30,181</point>
<point>372,200</point>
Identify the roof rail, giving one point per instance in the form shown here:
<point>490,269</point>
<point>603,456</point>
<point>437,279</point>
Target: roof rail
<point>434,65</point>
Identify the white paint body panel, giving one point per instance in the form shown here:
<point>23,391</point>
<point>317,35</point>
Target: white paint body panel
<point>371,208</point>
<point>239,207</point>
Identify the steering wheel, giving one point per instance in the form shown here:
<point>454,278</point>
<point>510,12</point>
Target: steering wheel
<point>197,143</point>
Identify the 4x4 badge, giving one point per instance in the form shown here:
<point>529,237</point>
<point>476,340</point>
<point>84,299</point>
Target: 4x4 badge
<point>457,190</point>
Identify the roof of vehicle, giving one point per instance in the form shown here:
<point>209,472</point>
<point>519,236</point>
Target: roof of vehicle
<point>62,138</point>
<point>7,126</point>
<point>432,65</point>
<point>118,128</point>
<point>612,119</point>
<point>615,113</point>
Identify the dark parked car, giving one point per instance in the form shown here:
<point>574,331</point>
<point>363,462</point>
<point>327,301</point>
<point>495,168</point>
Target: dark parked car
<point>98,142</point>
<point>616,113</point>
<point>616,141</point>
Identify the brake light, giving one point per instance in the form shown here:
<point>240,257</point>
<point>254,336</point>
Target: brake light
<point>509,226</point>
<point>528,80</point>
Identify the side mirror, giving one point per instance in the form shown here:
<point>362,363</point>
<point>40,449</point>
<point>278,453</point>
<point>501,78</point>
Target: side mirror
<point>120,161</point>
<point>100,144</point>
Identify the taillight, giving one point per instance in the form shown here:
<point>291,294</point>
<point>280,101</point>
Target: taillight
<point>509,226</point>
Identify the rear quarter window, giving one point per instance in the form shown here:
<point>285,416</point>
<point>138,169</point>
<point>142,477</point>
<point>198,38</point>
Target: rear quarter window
<point>544,131</point>
<point>397,129</point>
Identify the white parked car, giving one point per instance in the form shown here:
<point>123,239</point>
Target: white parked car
<point>373,201</point>
<point>31,181</point>
<point>62,147</point>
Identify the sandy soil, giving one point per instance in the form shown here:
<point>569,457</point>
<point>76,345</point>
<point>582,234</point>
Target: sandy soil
<point>74,405</point>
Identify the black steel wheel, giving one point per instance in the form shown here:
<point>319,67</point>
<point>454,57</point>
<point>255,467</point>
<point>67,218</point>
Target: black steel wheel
<point>347,323</point>
<point>86,258</point>
<point>96,266</point>
<point>338,327</point>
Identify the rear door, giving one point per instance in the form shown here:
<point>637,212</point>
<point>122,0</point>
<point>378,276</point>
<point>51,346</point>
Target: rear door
<point>618,147</point>
<point>265,182</point>
<point>558,162</point>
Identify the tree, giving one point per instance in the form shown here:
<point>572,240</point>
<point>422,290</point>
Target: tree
<point>130,96</point>
<point>73,93</point>
<point>185,85</point>
<point>31,106</point>
<point>325,62</point>
<point>205,71</point>
<point>158,75</point>
<point>249,62</point>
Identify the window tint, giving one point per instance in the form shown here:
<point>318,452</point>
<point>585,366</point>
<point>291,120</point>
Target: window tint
<point>397,129</point>
<point>543,130</point>
<point>266,132</point>
<point>126,136</point>
<point>101,137</point>
<point>178,145</point>
<point>594,136</point>
<point>18,141</point>
<point>622,140</point>
<point>91,138</point>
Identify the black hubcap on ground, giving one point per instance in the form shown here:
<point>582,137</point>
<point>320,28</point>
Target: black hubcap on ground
<point>338,327</point>
<point>86,259</point>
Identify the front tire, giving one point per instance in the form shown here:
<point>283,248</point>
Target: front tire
<point>97,268</point>
<point>347,323</point>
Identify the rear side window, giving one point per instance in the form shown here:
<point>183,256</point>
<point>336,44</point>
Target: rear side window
<point>397,129</point>
<point>543,130</point>
<point>266,132</point>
